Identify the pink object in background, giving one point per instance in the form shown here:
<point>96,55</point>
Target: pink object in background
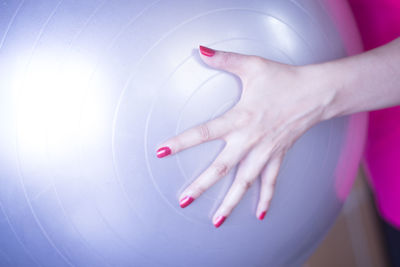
<point>379,23</point>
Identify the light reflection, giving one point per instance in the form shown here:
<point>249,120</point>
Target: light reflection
<point>50,103</point>
<point>281,34</point>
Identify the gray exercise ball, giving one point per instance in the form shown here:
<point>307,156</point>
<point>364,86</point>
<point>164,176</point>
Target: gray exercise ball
<point>90,88</point>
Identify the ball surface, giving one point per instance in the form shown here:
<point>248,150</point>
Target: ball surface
<point>88,91</point>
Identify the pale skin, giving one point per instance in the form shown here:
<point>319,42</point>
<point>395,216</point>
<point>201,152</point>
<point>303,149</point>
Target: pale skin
<point>278,104</point>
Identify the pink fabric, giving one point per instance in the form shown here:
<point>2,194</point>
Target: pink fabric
<point>379,23</point>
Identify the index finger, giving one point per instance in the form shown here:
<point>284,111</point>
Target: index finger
<point>214,129</point>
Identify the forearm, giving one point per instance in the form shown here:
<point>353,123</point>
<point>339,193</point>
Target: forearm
<point>368,81</point>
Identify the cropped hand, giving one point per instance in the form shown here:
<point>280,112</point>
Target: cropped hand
<point>278,104</point>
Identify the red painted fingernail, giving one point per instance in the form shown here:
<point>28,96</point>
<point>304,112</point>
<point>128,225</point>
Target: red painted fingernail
<point>207,51</point>
<point>220,220</point>
<point>186,201</point>
<point>262,215</point>
<point>163,152</point>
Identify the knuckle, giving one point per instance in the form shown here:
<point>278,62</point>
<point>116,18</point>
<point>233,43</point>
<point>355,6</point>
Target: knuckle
<point>220,169</point>
<point>222,61</point>
<point>204,132</point>
<point>227,59</point>
<point>245,184</point>
<point>176,144</point>
<point>199,188</point>
<point>233,62</point>
<point>269,183</point>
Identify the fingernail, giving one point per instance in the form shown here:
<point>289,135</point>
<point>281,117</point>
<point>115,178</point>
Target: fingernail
<point>220,220</point>
<point>186,201</point>
<point>262,215</point>
<point>207,51</point>
<point>163,152</point>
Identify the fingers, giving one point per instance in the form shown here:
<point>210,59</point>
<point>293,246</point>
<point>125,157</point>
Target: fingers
<point>247,173</point>
<point>231,62</point>
<point>268,181</point>
<point>194,136</point>
<point>226,160</point>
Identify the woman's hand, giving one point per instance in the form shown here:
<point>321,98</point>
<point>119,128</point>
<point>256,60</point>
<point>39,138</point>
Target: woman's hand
<point>278,104</point>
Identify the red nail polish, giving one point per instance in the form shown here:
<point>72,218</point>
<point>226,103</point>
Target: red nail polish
<point>207,51</point>
<point>262,215</point>
<point>163,152</point>
<point>220,220</point>
<point>186,201</point>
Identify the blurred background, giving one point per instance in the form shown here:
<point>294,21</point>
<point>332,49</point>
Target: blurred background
<point>357,238</point>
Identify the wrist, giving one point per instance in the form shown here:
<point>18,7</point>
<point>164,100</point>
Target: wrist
<point>326,87</point>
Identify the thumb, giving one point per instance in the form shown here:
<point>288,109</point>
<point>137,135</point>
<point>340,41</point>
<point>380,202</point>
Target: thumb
<point>231,62</point>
